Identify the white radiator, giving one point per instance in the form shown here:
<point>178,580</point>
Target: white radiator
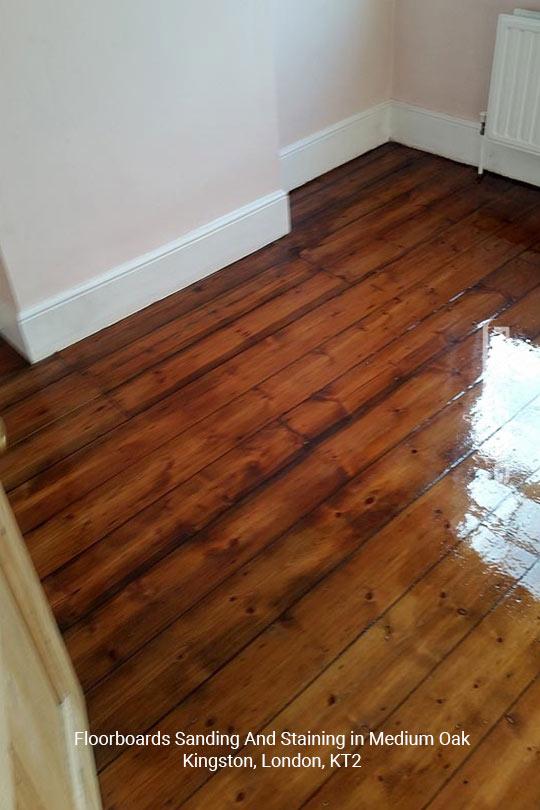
<point>513,115</point>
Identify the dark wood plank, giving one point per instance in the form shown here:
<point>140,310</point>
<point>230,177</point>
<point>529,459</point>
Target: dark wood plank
<point>166,524</point>
<point>513,742</point>
<point>409,189</point>
<point>44,448</point>
<point>131,360</point>
<point>31,379</point>
<point>500,656</point>
<point>348,180</point>
<point>174,306</point>
<point>10,361</point>
<point>45,406</point>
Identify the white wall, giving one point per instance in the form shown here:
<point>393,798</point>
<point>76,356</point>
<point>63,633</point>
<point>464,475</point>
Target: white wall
<point>126,125</point>
<point>444,51</point>
<point>334,59</point>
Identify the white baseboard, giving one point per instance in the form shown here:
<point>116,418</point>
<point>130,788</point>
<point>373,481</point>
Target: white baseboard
<point>513,163</point>
<point>454,138</point>
<point>459,139</point>
<point>324,150</point>
<point>84,310</point>
<point>427,130</point>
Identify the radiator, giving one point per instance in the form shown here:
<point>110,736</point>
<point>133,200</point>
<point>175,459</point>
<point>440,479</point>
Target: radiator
<point>513,115</point>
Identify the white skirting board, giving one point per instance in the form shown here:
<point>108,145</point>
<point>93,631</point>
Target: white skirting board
<point>324,150</point>
<point>459,139</point>
<point>454,138</point>
<point>126,289</point>
<point>445,135</point>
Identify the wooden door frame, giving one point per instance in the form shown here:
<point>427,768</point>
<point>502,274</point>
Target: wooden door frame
<point>28,595</point>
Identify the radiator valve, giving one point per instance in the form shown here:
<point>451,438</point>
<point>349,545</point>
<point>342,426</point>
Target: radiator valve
<point>483,121</point>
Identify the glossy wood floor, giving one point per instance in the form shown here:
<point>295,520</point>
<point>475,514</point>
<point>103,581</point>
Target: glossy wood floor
<point>304,494</point>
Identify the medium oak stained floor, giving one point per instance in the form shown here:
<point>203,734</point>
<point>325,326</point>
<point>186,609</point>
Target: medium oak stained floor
<point>304,494</point>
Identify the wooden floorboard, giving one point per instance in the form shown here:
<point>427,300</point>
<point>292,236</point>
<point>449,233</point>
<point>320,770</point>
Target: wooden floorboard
<point>303,494</point>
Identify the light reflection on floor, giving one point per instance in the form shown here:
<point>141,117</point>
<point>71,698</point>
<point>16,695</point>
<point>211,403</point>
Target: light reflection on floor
<point>504,489</point>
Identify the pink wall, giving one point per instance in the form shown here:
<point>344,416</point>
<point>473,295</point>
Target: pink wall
<point>444,50</point>
<point>333,59</point>
<point>125,125</point>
